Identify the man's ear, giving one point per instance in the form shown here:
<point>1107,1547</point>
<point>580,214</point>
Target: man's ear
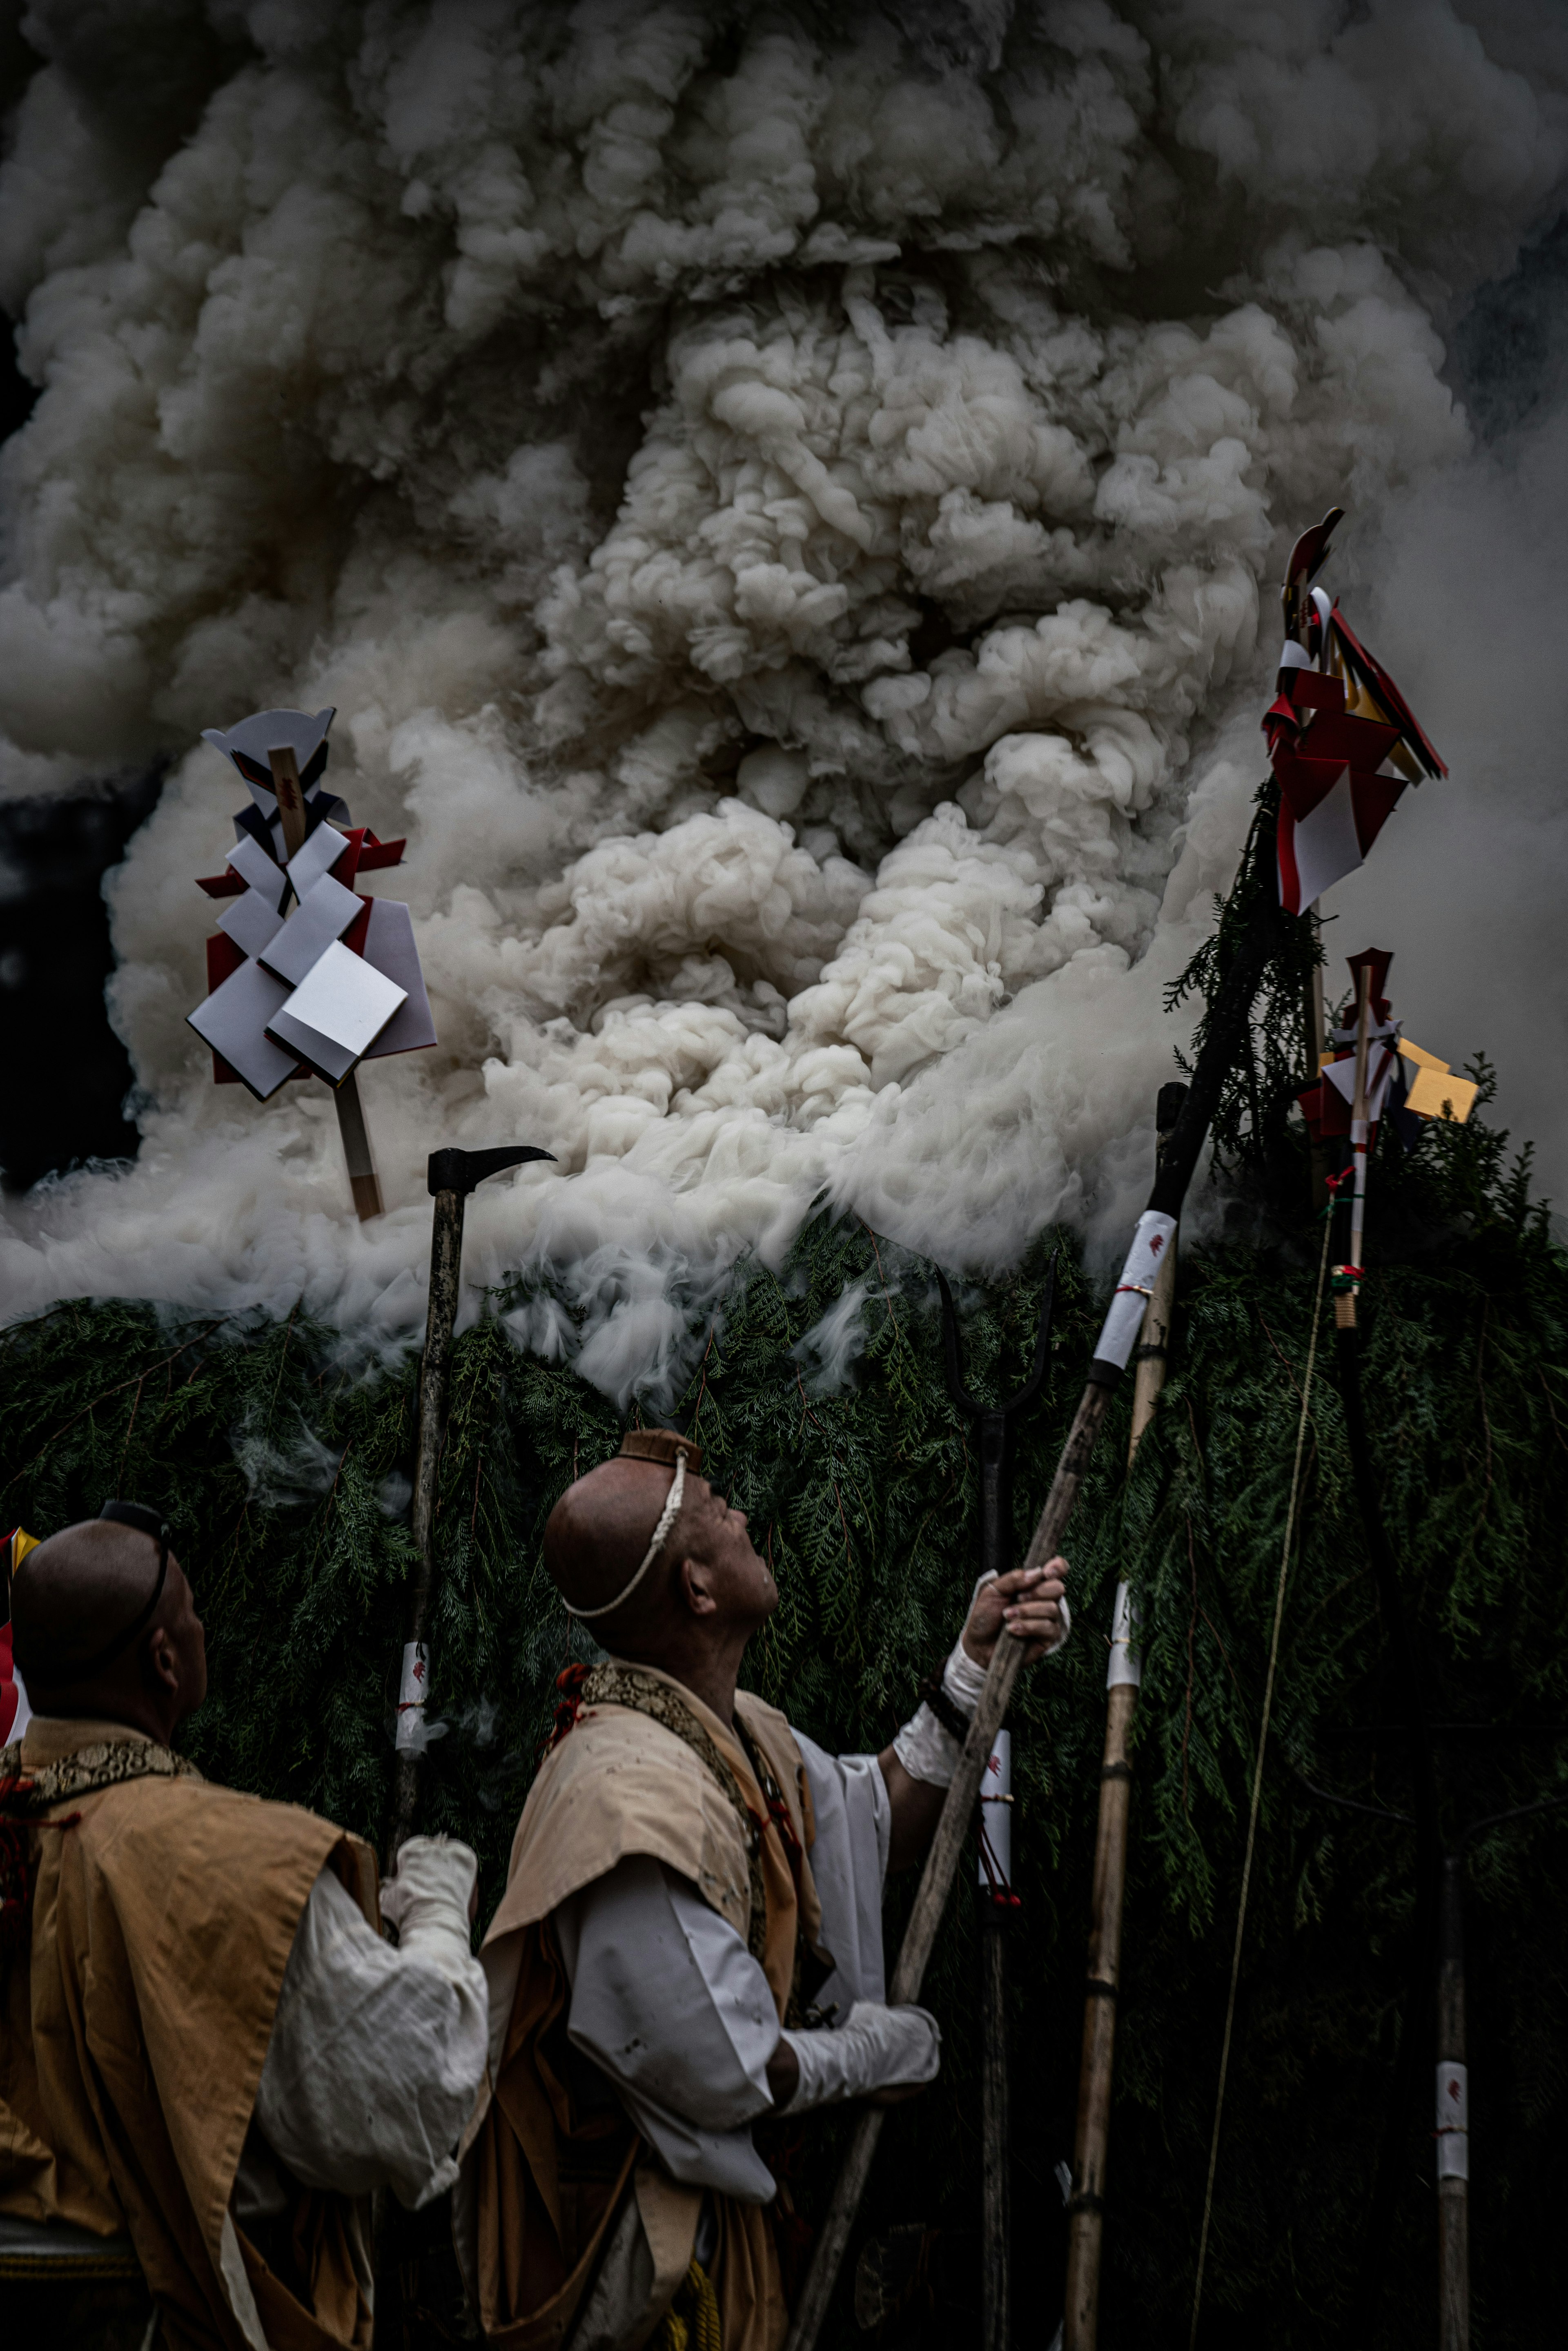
<point>162,1659</point>
<point>696,1584</point>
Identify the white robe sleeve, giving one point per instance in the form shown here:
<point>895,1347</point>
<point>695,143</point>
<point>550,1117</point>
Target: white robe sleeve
<point>376,2054</point>
<point>670,2004</point>
<point>848,1863</point>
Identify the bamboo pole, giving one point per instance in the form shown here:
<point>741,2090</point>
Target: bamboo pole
<point>1348,1276</point>
<point>1317,1051</point>
<point>995,1924</point>
<point>1086,2206</point>
<point>1453,2138</point>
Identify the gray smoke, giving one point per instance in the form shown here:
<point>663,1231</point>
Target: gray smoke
<point>786,503</point>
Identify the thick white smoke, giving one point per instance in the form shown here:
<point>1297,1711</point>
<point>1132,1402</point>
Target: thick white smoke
<point>786,503</point>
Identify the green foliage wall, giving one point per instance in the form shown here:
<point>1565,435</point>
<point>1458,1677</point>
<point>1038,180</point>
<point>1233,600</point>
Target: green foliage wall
<point>282,1462</point>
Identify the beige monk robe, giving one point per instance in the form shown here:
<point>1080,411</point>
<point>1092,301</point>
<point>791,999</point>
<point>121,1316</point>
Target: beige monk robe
<point>134,2025</point>
<point>547,2181</point>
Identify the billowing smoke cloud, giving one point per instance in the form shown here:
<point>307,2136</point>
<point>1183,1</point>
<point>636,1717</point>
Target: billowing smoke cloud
<point>786,502</point>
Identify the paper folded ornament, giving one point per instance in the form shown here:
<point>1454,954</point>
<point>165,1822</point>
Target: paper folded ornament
<point>1343,742</point>
<point>304,974</point>
<point>336,1012</point>
<point>1403,1082</point>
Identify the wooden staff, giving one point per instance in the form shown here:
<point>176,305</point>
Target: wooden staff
<point>1453,2117</point>
<point>1317,1050</point>
<point>451,1176</point>
<point>1086,2207</point>
<point>365,1183</point>
<point>1226,1022</point>
<point>995,2136</point>
<point>994,1429</point>
<point>1347,1277</point>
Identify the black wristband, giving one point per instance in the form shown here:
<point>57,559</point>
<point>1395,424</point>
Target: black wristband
<point>953,1721</point>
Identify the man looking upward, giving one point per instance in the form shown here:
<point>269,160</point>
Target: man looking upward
<point>204,2040</point>
<point>690,1941</point>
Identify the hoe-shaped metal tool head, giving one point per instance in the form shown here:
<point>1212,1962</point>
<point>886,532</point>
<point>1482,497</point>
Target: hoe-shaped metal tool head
<point>459,1171</point>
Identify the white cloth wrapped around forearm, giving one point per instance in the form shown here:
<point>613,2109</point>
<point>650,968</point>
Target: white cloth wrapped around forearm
<point>377,2055</point>
<point>875,2048</point>
<point>925,1747</point>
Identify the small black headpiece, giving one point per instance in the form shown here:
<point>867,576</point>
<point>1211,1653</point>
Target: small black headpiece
<point>146,1522</point>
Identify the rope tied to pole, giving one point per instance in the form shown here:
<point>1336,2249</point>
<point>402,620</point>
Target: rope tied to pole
<point>1258,1787</point>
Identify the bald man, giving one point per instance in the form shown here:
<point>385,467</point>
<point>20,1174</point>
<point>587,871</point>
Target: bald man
<point>690,1942</point>
<point>205,2040</point>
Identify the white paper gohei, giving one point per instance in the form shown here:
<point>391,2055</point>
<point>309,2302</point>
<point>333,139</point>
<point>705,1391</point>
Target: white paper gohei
<point>338,1010</point>
<point>1326,844</point>
<point>388,946</point>
<point>250,921</point>
<point>319,854</point>
<point>233,1019</point>
<point>324,912</point>
<point>1382,1060</point>
<point>253,864</point>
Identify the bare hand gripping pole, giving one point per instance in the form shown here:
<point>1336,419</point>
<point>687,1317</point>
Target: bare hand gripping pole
<point>1227,1023</point>
<point>452,1175</point>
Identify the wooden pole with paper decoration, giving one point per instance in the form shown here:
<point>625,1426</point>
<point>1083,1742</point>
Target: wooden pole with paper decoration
<point>1123,1674</point>
<point>1226,1025</point>
<point>1343,744</point>
<point>305,975</point>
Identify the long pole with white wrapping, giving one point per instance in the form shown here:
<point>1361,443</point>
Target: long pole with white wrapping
<point>1086,2206</point>
<point>1227,1023</point>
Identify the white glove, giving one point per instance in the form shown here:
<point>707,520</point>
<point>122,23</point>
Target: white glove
<point>875,2048</point>
<point>427,1902</point>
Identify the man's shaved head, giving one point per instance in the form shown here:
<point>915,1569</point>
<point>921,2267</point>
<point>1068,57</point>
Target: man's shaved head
<point>69,1600</point>
<point>706,1583</point>
<point>600,1529</point>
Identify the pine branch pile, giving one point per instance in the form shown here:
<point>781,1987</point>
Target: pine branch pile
<point>283,1463</point>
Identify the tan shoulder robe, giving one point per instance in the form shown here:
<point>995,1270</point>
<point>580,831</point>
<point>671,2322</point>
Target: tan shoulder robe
<point>133,2032</point>
<point>548,2179</point>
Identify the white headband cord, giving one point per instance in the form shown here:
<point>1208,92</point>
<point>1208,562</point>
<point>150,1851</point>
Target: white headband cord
<point>667,1517</point>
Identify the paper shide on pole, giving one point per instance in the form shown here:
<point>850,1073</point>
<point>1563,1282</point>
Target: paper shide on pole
<point>1343,741</point>
<point>1403,1082</point>
<point>306,977</point>
<point>332,979</point>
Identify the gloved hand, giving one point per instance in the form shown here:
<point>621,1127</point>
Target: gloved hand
<point>875,2048</point>
<point>429,1900</point>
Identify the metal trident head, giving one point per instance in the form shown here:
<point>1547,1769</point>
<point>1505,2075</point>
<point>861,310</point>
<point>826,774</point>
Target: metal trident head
<point>993,1421</point>
<point>1031,1386</point>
